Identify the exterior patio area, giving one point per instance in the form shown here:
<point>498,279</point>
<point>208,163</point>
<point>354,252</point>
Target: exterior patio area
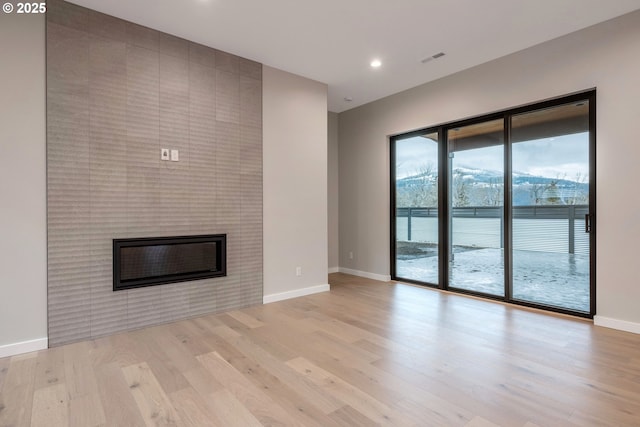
<point>554,279</point>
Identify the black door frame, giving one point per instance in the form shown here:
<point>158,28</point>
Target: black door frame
<point>443,199</point>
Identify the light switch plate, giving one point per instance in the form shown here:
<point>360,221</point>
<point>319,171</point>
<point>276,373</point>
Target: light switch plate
<point>164,154</point>
<point>175,155</point>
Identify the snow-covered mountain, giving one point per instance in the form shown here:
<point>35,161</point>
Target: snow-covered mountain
<point>483,187</point>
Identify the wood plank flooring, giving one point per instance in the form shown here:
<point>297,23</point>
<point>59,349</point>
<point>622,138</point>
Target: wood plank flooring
<point>366,353</point>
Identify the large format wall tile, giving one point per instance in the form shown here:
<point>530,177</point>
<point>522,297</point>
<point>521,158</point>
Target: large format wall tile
<point>117,93</point>
<point>227,97</point>
<point>250,101</point>
<point>143,107</point>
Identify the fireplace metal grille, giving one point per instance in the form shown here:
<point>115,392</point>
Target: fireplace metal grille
<point>158,260</point>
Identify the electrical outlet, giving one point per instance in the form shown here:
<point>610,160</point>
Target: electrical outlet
<point>164,154</point>
<point>175,155</point>
<point>350,255</point>
<point>298,271</point>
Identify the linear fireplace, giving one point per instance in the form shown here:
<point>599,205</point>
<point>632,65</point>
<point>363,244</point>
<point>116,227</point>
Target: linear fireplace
<point>159,260</point>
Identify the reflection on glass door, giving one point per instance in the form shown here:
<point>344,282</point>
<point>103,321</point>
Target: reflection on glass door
<point>416,195</point>
<point>476,194</point>
<point>550,206</point>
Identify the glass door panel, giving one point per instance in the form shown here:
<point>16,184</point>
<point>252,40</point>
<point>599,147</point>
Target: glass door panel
<point>476,193</point>
<point>416,222</point>
<point>550,204</point>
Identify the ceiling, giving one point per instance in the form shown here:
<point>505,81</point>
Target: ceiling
<point>334,41</point>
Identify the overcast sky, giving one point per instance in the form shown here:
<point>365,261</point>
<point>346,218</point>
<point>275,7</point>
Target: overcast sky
<point>563,156</point>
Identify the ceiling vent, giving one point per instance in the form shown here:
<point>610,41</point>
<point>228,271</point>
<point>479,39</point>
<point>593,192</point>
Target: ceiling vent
<point>432,57</point>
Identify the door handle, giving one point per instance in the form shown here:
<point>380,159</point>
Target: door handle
<point>587,223</point>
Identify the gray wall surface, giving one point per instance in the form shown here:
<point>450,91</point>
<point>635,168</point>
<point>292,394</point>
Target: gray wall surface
<point>23,234</point>
<point>333,188</point>
<point>295,178</point>
<point>604,56</point>
<point>116,94</point>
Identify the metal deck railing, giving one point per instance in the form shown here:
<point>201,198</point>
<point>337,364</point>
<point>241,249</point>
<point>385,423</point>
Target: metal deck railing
<point>556,228</point>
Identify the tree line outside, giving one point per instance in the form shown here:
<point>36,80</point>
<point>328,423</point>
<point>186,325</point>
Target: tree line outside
<point>421,190</point>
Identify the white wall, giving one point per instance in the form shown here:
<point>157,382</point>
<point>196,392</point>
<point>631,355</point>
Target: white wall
<point>23,252</point>
<point>333,191</point>
<point>605,56</point>
<point>295,185</point>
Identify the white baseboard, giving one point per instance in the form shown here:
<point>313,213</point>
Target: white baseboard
<point>334,270</point>
<point>365,274</point>
<point>23,347</point>
<point>622,325</point>
<point>266,299</point>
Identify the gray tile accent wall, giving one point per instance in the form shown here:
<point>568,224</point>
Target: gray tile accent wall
<point>117,93</point>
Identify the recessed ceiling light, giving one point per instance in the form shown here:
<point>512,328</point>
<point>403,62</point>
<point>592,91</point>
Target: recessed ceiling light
<point>376,63</point>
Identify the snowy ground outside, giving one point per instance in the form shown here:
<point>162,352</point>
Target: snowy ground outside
<point>560,280</point>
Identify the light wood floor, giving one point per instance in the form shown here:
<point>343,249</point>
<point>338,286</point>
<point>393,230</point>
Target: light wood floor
<point>366,353</point>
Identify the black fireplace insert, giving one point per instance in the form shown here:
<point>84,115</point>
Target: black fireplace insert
<point>153,261</point>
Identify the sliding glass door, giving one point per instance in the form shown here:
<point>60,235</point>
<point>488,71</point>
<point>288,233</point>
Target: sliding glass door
<point>550,208</point>
<point>501,206</point>
<point>476,204</point>
<point>416,199</point>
